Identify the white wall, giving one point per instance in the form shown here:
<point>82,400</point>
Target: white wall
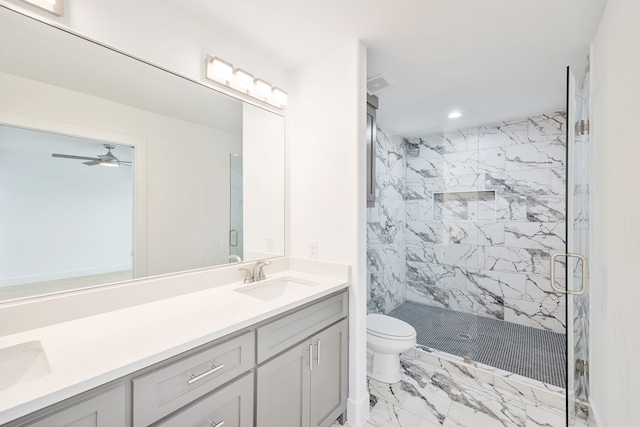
<point>263,182</point>
<point>615,283</point>
<point>188,209</point>
<point>61,218</point>
<point>326,143</point>
<point>158,32</point>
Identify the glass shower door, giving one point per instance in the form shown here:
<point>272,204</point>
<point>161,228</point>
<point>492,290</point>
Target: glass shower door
<point>236,213</point>
<point>577,245</point>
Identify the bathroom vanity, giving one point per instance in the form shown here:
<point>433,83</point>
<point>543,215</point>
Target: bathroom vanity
<point>280,360</point>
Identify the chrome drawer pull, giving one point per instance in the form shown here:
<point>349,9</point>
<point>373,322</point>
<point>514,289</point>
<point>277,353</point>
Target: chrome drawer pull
<point>213,424</point>
<point>213,369</point>
<point>318,350</point>
<point>310,350</point>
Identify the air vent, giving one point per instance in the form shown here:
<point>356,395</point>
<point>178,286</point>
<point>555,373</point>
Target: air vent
<point>378,83</point>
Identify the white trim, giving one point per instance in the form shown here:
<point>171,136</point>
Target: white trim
<point>594,417</point>
<point>358,411</point>
<point>139,170</point>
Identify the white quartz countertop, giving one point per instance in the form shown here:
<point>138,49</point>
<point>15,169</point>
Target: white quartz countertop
<point>92,351</point>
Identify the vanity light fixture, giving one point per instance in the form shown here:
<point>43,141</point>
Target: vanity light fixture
<point>280,96</point>
<point>54,6</point>
<point>244,82</point>
<point>263,88</point>
<point>220,70</point>
<point>455,114</point>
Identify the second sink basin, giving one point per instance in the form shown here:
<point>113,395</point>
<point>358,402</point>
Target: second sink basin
<point>276,288</point>
<point>21,363</point>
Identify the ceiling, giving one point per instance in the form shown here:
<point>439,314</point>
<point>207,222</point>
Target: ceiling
<point>491,59</point>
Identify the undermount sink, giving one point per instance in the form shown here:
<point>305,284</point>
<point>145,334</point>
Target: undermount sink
<point>276,288</point>
<point>22,363</point>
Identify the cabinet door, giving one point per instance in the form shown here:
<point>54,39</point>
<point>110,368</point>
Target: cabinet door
<point>105,409</point>
<point>283,389</point>
<point>329,374</point>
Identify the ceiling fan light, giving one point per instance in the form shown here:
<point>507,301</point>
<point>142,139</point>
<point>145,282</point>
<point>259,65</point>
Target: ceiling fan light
<point>112,163</point>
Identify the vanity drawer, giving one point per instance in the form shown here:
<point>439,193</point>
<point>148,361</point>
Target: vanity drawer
<point>285,332</point>
<point>163,391</point>
<point>231,406</point>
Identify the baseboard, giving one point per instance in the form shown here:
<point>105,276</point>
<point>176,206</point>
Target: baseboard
<point>594,417</point>
<point>358,411</point>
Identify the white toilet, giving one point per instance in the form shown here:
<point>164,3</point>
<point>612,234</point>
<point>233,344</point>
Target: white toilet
<point>387,337</point>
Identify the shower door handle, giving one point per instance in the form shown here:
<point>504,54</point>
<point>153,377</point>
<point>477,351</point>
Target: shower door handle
<point>583,287</point>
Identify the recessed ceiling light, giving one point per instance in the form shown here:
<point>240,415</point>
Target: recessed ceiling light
<point>455,114</point>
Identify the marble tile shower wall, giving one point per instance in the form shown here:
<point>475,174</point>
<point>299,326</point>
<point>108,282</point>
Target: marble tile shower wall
<point>485,208</point>
<point>386,249</point>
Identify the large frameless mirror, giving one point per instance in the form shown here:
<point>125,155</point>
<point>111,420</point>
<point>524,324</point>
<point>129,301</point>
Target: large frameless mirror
<point>171,199</point>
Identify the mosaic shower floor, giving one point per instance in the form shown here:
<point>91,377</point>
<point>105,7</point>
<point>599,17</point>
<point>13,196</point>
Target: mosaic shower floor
<point>430,396</point>
<point>526,351</point>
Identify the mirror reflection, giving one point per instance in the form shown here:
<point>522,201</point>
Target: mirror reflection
<point>200,176</point>
<point>70,211</point>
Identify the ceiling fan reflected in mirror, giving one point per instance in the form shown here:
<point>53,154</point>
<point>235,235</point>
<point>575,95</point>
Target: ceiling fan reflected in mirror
<point>103,159</point>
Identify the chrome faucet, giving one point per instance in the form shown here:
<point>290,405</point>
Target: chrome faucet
<point>256,273</point>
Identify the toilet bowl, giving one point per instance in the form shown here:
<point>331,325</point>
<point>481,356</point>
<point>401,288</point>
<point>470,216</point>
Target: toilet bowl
<point>387,337</point>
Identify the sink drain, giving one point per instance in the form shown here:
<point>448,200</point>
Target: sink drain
<point>464,336</point>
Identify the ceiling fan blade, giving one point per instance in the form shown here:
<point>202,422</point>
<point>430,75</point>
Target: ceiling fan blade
<point>68,156</point>
<point>93,163</point>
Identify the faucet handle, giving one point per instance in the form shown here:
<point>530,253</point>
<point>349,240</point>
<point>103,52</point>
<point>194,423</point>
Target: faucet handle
<point>248,277</point>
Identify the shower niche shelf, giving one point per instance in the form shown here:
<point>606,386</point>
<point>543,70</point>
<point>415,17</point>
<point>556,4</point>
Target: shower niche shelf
<point>465,206</point>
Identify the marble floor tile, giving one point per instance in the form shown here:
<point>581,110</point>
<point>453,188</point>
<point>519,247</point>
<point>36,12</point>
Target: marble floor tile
<point>441,394</point>
<point>543,416</point>
<point>462,416</point>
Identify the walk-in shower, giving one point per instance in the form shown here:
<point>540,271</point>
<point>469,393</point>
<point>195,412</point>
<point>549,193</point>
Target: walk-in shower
<point>461,237</point>
<point>478,212</point>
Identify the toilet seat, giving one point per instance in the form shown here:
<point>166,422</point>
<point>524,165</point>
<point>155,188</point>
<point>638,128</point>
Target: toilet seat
<point>389,327</point>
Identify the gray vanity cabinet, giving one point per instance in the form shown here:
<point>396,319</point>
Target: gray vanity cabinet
<point>102,409</point>
<point>176,385</point>
<point>282,389</point>
<point>329,375</point>
<point>306,385</point>
<point>287,371</point>
<point>230,406</point>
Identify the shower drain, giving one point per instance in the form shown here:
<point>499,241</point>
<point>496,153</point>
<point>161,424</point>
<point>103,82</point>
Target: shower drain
<point>464,336</point>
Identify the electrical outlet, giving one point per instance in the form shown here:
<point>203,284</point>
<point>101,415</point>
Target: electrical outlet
<point>270,245</point>
<point>313,249</point>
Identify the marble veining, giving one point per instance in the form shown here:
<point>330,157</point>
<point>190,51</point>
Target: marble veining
<point>470,206</point>
<point>435,391</point>
<point>386,228</point>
